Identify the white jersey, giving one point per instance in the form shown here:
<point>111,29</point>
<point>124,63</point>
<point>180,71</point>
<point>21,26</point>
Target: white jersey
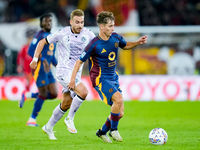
<point>70,46</point>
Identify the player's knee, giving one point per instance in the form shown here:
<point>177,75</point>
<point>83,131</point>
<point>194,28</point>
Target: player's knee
<point>83,94</point>
<point>119,101</point>
<point>43,95</point>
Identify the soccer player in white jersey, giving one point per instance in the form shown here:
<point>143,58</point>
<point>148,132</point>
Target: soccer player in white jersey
<point>71,42</point>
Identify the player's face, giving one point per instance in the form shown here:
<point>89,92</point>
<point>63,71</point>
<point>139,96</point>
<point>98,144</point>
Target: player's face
<point>47,24</point>
<point>77,23</point>
<point>108,28</point>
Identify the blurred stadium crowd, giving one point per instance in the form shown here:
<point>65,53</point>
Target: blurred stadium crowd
<point>169,12</point>
<point>151,12</point>
<point>151,59</point>
<point>21,10</point>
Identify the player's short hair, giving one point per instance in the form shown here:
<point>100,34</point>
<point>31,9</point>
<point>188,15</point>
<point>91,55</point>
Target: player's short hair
<point>44,16</point>
<point>30,32</point>
<point>104,16</point>
<point>76,12</point>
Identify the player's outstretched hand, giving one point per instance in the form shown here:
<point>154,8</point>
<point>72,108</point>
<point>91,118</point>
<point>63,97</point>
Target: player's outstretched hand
<point>71,85</point>
<point>143,39</point>
<point>33,64</point>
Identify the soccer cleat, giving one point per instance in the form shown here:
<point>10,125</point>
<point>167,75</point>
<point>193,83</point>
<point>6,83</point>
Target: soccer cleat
<point>49,133</point>
<point>32,124</point>
<point>22,100</point>
<point>70,125</point>
<point>115,135</point>
<point>104,137</point>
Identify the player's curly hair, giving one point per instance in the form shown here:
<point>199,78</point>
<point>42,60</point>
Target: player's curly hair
<point>76,12</point>
<point>104,16</point>
<point>44,16</point>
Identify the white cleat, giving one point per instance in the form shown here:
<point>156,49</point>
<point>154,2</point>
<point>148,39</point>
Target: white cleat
<point>104,137</point>
<point>70,125</point>
<point>116,136</point>
<point>49,133</point>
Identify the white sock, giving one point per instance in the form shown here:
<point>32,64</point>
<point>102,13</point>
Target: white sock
<point>76,103</point>
<point>56,116</point>
<point>31,119</point>
<point>49,127</point>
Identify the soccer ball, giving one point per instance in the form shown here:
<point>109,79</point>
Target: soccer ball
<point>158,136</point>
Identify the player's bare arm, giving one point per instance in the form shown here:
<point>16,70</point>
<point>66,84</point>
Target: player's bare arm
<point>38,50</point>
<point>77,65</point>
<point>140,41</point>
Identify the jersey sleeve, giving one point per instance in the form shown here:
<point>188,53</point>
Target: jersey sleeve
<point>92,35</point>
<point>54,37</point>
<point>122,41</point>
<point>88,51</point>
<point>32,46</point>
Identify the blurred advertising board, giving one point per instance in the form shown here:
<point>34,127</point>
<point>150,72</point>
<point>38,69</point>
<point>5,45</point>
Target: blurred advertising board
<point>134,87</point>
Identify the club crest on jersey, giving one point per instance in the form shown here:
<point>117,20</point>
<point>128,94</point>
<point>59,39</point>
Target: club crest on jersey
<point>111,90</point>
<point>83,39</point>
<point>116,44</point>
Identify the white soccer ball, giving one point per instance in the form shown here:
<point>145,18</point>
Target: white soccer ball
<point>158,136</point>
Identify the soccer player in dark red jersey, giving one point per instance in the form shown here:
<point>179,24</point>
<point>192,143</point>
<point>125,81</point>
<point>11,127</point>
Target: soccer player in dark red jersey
<point>103,51</point>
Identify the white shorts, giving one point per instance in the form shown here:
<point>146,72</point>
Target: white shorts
<point>63,76</point>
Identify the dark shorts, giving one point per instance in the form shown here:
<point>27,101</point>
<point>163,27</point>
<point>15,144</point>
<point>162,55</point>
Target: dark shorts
<point>106,89</point>
<point>44,79</point>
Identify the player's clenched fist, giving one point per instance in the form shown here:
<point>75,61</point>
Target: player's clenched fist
<point>33,64</point>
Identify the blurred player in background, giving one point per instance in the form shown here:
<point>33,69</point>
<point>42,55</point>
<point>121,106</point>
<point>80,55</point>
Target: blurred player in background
<point>71,43</point>
<point>23,59</point>
<point>103,51</point>
<point>42,75</point>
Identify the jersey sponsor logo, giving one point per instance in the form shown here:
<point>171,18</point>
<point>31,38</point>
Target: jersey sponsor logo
<point>51,46</point>
<point>111,56</point>
<point>103,51</point>
<point>116,44</point>
<point>112,64</point>
<point>49,53</point>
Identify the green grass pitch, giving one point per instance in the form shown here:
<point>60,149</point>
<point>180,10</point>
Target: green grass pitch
<point>181,120</point>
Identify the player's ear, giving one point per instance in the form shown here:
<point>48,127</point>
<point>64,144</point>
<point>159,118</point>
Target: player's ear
<point>101,26</point>
<point>70,21</point>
